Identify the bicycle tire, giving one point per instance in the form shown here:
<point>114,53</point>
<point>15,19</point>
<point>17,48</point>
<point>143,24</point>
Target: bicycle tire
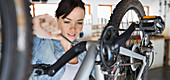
<point>118,13</point>
<point>15,62</point>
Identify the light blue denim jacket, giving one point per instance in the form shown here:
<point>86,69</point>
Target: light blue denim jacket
<point>48,51</point>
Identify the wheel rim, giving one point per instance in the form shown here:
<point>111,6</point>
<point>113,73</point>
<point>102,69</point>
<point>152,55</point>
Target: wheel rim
<point>15,58</point>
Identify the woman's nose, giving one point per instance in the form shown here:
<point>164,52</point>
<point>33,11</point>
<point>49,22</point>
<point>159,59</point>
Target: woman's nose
<point>73,27</point>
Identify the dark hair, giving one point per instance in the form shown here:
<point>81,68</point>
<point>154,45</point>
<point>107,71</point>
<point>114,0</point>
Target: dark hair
<point>66,6</point>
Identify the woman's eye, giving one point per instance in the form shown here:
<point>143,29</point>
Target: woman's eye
<point>66,21</point>
<point>80,22</point>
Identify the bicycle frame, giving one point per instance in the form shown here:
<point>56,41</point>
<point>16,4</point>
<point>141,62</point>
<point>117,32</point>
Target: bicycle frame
<point>93,48</point>
<point>129,53</point>
<point>92,56</point>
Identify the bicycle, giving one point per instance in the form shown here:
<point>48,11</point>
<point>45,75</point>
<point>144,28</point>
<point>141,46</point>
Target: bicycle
<point>114,56</point>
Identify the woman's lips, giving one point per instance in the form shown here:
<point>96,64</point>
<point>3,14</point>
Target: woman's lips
<point>71,35</point>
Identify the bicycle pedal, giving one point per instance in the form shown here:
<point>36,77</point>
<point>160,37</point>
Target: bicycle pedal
<point>152,25</point>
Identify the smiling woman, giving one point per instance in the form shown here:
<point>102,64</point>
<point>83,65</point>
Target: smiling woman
<point>72,25</point>
<point>49,45</point>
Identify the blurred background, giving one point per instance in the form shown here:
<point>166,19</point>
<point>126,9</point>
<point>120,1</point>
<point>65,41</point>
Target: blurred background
<point>97,16</point>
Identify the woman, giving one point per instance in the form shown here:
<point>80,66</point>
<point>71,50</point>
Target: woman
<point>49,46</point>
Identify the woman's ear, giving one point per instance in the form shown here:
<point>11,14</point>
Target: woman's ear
<point>56,17</point>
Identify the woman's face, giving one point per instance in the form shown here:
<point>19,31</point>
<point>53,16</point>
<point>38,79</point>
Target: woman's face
<point>72,25</point>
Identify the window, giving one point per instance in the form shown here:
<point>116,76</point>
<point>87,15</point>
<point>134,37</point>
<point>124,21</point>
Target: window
<point>87,19</point>
<point>146,9</point>
<point>38,9</point>
<point>104,12</point>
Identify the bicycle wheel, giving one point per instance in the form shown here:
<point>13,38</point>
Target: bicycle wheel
<point>15,61</point>
<point>126,12</point>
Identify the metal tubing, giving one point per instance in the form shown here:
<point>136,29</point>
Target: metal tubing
<point>99,74</point>
<point>87,64</point>
<point>141,70</point>
<point>129,53</point>
<point>98,71</point>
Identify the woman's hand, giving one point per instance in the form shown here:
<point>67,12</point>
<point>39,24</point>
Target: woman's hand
<point>45,26</point>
